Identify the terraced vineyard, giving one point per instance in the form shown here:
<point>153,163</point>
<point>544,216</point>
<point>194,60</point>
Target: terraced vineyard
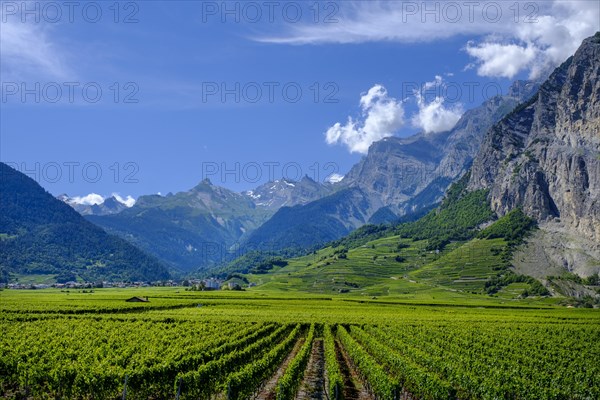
<point>246,346</point>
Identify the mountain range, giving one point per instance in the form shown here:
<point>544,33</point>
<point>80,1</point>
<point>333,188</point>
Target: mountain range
<point>288,193</point>
<point>533,149</point>
<point>204,226</point>
<point>398,177</point>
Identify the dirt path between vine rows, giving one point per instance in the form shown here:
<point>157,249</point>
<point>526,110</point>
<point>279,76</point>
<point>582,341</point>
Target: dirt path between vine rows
<point>268,390</point>
<point>353,388</point>
<point>313,384</point>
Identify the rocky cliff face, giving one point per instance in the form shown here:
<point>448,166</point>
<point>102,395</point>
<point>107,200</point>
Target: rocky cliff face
<point>467,136</point>
<point>396,169</point>
<point>545,156</point>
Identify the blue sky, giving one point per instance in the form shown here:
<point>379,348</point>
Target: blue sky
<point>173,60</point>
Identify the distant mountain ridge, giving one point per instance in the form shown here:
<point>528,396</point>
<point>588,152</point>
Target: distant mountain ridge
<point>40,234</point>
<point>303,226</point>
<point>189,229</point>
<point>200,228</point>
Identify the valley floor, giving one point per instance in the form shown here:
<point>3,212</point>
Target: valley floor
<point>238,345</point>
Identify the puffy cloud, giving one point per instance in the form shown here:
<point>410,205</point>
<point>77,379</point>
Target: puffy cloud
<point>381,116</point>
<point>502,60</point>
<point>433,116</point>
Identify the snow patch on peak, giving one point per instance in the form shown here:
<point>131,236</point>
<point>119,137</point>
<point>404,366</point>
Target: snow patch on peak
<point>250,193</point>
<point>334,178</point>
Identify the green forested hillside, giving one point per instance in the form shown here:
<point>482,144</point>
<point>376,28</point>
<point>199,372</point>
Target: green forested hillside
<point>42,235</point>
<point>457,218</point>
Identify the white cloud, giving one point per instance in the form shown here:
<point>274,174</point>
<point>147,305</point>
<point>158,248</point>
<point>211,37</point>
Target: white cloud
<point>497,59</point>
<point>28,49</point>
<point>433,116</point>
<point>369,21</point>
<point>97,199</point>
<point>334,178</point>
<point>128,201</point>
<point>381,117</point>
<point>87,200</point>
<point>540,37</point>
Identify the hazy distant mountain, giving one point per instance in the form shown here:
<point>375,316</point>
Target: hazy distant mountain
<point>40,234</point>
<point>110,205</point>
<point>319,221</point>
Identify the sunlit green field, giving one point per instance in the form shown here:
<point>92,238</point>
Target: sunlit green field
<point>455,275</point>
<point>226,344</point>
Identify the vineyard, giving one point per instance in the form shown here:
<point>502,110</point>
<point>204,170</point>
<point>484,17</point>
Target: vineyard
<point>195,346</point>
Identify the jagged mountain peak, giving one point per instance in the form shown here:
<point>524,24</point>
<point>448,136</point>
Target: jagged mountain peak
<point>307,178</point>
<point>523,89</point>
